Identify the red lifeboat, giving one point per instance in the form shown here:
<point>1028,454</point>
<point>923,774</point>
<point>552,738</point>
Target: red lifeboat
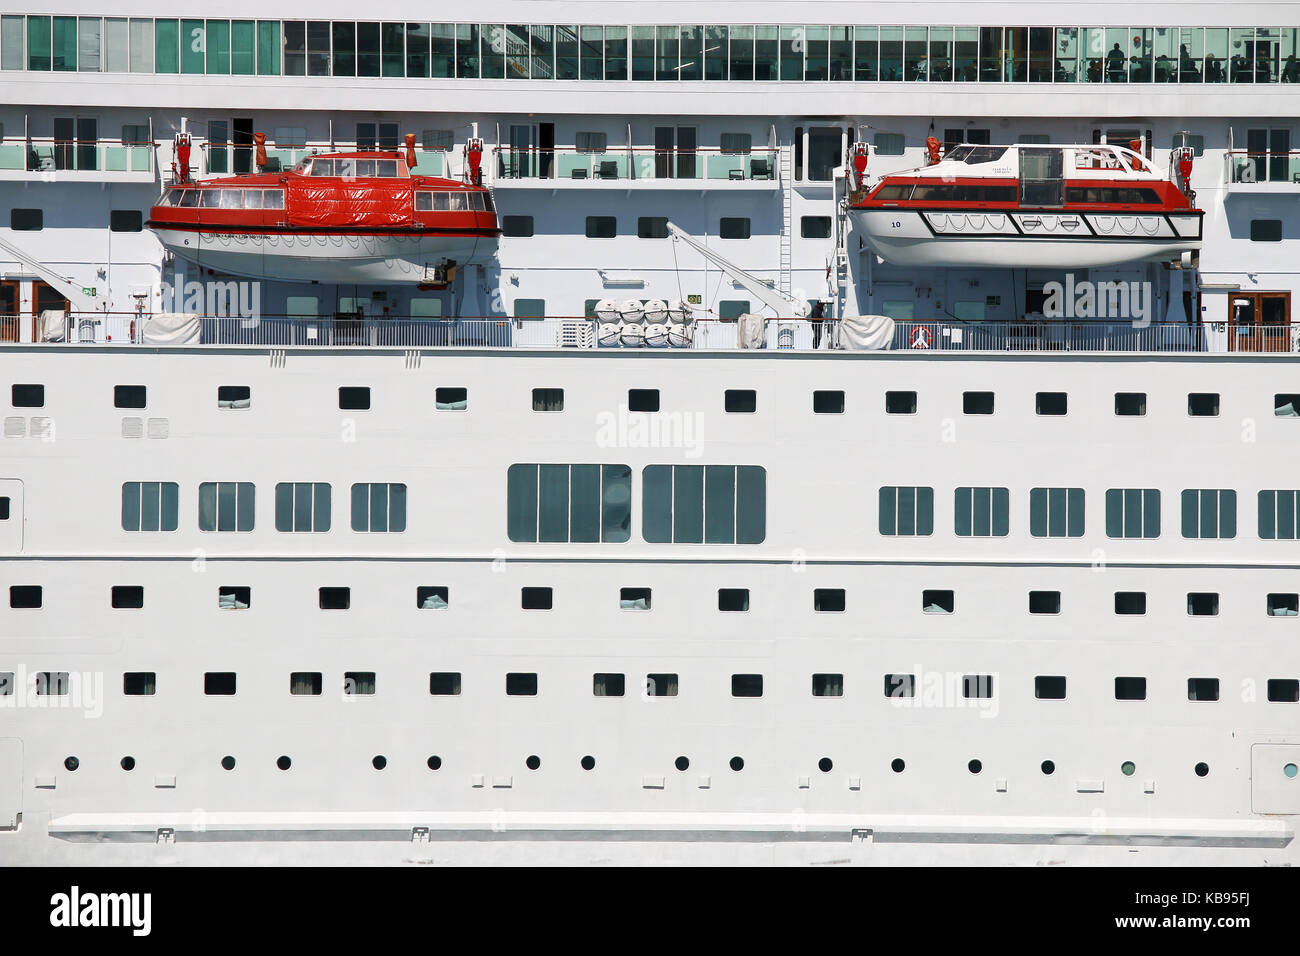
<point>1034,206</point>
<point>338,218</point>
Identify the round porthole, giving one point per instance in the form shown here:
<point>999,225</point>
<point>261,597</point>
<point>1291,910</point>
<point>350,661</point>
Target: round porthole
<point>284,763</point>
<point>682,763</point>
<point>588,762</point>
<point>435,763</point>
<point>975,766</point>
<point>533,762</point>
<point>72,763</point>
<point>1290,770</point>
<point>128,763</point>
<point>897,765</point>
<point>1048,767</point>
<point>825,765</point>
<point>737,763</point>
<point>1127,768</point>
<point>1202,769</point>
<point>379,762</point>
<point>228,763</point>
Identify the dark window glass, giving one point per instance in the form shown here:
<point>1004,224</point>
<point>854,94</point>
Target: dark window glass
<point>1130,688</point>
<point>828,403</point>
<point>900,685</point>
<point>354,398</point>
<point>518,227</point>
<point>1130,602</point>
<point>1050,403</point>
<point>125,220</point>
<point>219,684</point>
<point>1261,230</point>
<point>828,685</point>
<point>521,685</point>
<point>1203,688</point>
<point>815,227</point>
<point>746,685</point>
<point>733,227</point>
<point>828,599</point>
<point>602,227</point>
<point>25,596</point>
<point>28,396</point>
<point>1130,403</point>
<point>1203,404</point>
<point>432,597</point>
<point>937,602</point>
<point>128,596</point>
<point>733,599</point>
<point>128,396</point>
<point>740,400</point>
<point>335,599</point>
<point>652,227</point>
<point>1044,602</point>
<point>977,403</point>
<point>444,683</point>
<point>643,400</point>
<point>139,684</point>
<point>536,599</point>
<point>26,220</point>
<point>900,403</point>
<point>1049,688</point>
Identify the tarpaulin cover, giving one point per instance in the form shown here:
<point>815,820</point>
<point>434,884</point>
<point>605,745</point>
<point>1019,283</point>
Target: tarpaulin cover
<point>860,333</point>
<point>342,203</point>
<point>172,328</point>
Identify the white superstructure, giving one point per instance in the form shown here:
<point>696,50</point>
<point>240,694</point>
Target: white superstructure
<point>469,570</point>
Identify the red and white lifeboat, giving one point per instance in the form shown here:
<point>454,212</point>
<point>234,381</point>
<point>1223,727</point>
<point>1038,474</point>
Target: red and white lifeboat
<point>338,218</point>
<point>1031,206</point>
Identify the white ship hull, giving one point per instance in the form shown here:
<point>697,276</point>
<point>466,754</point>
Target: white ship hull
<point>912,237</point>
<point>334,259</point>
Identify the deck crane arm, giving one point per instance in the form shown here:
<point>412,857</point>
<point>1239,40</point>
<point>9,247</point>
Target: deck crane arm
<point>78,298</point>
<point>781,303</point>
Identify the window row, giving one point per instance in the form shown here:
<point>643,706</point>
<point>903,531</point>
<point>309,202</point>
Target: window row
<point>900,686</point>
<point>230,506</point>
<point>824,600</point>
<point>673,52</point>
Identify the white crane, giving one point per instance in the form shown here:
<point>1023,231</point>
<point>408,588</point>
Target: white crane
<point>781,303</point>
<point>78,298</point>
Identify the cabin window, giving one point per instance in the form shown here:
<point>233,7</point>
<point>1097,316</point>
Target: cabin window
<point>900,685</point>
<point>4,508</point>
<point>829,402</point>
<point>1209,513</point>
<point>828,600</point>
<point>234,396</point>
<point>537,599</point>
<point>906,510</point>
<point>27,396</point>
<point>569,503</point>
<point>1284,691</point>
<point>936,601</point>
<point>900,403</point>
<point>1133,513</point>
<point>828,685</point>
<point>334,599</point>
<point>1203,404</point>
<point>746,685</point>
<point>1050,403</point>
<point>1130,403</point>
<point>359,683</point>
<point>305,683</point>
<point>815,227</point>
<point>601,227</point>
<point>634,599</point>
<point>517,227</point>
<point>893,193</point>
<point>150,506</point>
<point>379,507</point>
<point>365,167</point>
<point>219,684</point>
<point>437,140</point>
<point>740,400</point>
<point>590,142</point>
<point>25,596</point>
<point>521,685</point>
<point>1056,512</point>
<point>459,201</point>
<point>432,597</point>
<point>737,143</point>
<point>977,686</point>
<point>444,684</point>
<point>139,683</point>
<point>190,198</point>
<point>449,398</point>
<point>1044,602</point>
<point>1203,688</point>
<point>26,220</point>
<point>322,167</point>
<point>272,199</point>
<point>1203,604</point>
<point>354,397</point>
<point>608,685</point>
<point>531,309</point>
<point>663,685</point>
<point>548,399</point>
<point>643,399</point>
<point>1261,230</point>
<point>977,403</point>
<point>1130,688</point>
<point>889,144</point>
<point>981,512</point>
<point>734,227</point>
<point>1130,602</point>
<point>1286,405</point>
<point>226,506</point>
<point>234,598</point>
<point>210,198</point>
<point>1279,516</point>
<point>733,599</point>
<point>731,309</point>
<point>652,227</point>
<point>1049,688</point>
<point>302,506</point>
<point>125,220</point>
<point>704,504</point>
<point>423,201</point>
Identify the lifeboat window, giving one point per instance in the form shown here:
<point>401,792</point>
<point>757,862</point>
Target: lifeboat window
<point>386,168</point>
<point>232,199</point>
<point>984,154</point>
<point>894,192</point>
<point>459,202</point>
<point>344,167</point>
<point>189,197</point>
<point>441,202</point>
<point>211,198</point>
<point>253,199</point>
<point>273,199</point>
<point>174,197</point>
<point>365,167</point>
<point>476,202</point>
<point>424,202</point>
<point>487,202</point>
<point>958,153</point>
<point>322,167</point>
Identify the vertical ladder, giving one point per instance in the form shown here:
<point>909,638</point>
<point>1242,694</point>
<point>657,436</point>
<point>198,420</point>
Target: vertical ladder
<point>839,273</point>
<point>787,230</point>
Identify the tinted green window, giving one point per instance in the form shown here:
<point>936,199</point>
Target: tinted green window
<point>553,503</point>
<point>720,504</point>
<point>218,44</point>
<point>563,503</point>
<point>1056,512</point>
<point>467,50</point>
<point>751,504</point>
<point>417,49</point>
<point>226,506</point>
<point>981,512</point>
<point>906,510</point>
<point>193,46</point>
<point>65,43</point>
<point>584,503</point>
<point>379,507</point>
<point>657,503</point>
<point>688,504</point>
<point>714,504</point>
<point>1209,513</point>
<point>302,506</point>
<point>1277,515</point>
<point>167,46</point>
<point>443,49</point>
<point>393,43</point>
<point>150,506</point>
<point>268,47</point>
<point>369,61</point>
<point>566,53</point>
<point>1133,513</point>
<point>521,503</point>
<point>38,43</point>
<point>243,47</point>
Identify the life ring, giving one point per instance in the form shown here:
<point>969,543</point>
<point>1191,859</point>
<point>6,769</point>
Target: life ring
<point>920,337</point>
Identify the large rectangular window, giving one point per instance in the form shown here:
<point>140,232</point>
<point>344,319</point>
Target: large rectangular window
<point>1209,513</point>
<point>150,505</point>
<point>704,504</point>
<point>906,510</point>
<point>1278,515</point>
<point>302,506</point>
<point>981,512</point>
<point>226,506</point>
<point>378,506</point>
<point>1133,513</point>
<point>1056,512</point>
<point>569,503</point>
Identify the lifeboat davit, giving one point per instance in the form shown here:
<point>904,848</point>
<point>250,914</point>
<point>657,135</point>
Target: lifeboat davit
<point>338,218</point>
<point>1059,207</point>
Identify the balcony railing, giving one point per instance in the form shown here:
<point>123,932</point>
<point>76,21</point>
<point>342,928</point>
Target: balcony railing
<point>47,155</point>
<point>636,163</point>
<point>781,334</point>
<point>1244,167</point>
<point>226,159</point>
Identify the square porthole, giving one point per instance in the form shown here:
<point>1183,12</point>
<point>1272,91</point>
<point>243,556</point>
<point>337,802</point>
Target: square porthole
<point>900,685</point>
<point>234,396</point>
<point>1283,691</point>
<point>828,599</point>
<point>25,596</point>
<point>1283,605</point>
<point>444,684</point>
<point>359,683</point>
<point>1044,602</point>
<point>746,685</point>
<point>219,684</point>
<point>608,685</point>
<point>977,686</point>
<point>1203,404</point>
<point>432,597</point>
<point>828,402</point>
<point>354,397</point>
<point>536,599</point>
<point>4,507</point>
<point>234,597</point>
<point>548,399</point>
<point>661,685</point>
<point>977,403</point>
<point>1286,405</point>
<point>937,602</point>
<point>828,685</point>
<point>1130,403</point>
<point>27,396</point>
<point>733,599</point>
<point>139,683</point>
<point>1203,604</point>
<point>634,599</point>
<point>740,400</point>
<point>1047,687</point>
<point>643,399</point>
<point>335,599</point>
<point>900,403</point>
<point>128,596</point>
<point>1050,403</point>
<point>1130,602</point>
<point>306,683</point>
<point>1130,688</point>
<point>521,685</point>
<point>449,399</point>
<point>53,683</point>
<point>1203,688</point>
<point>129,396</point>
